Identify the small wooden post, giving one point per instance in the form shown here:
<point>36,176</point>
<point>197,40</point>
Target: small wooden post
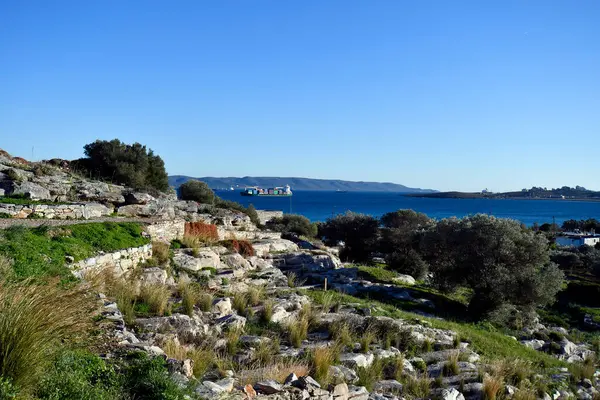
<point>325,284</point>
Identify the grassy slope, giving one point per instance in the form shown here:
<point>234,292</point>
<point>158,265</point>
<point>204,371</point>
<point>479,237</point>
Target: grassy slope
<point>485,340</point>
<point>40,252</point>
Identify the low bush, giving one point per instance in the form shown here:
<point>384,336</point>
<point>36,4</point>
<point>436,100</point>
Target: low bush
<point>197,191</point>
<point>243,247</point>
<point>206,233</point>
<point>291,223</point>
<point>148,378</point>
<point>80,375</point>
<point>35,321</point>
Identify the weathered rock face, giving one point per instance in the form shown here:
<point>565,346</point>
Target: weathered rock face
<point>264,247</point>
<point>31,190</point>
<point>206,258</point>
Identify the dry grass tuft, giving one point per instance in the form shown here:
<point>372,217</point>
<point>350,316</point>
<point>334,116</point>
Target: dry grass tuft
<point>276,371</point>
<point>418,386</point>
<point>366,339</point>
<point>35,320</point>
<point>203,358</point>
<point>256,294</point>
<point>451,366</point>
<point>342,333</point>
<point>156,296</point>
<point>293,280</point>
<point>492,384</point>
<point>321,359</point>
<point>205,302</point>
<point>267,311</point>
<point>161,252</point>
<point>298,331</point>
<point>240,303</point>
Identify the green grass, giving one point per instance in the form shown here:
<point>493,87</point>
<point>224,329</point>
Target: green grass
<point>41,252</point>
<point>23,201</point>
<point>377,274</point>
<point>485,340</point>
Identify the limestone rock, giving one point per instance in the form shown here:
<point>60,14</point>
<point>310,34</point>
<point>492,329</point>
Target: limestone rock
<point>353,360</point>
<point>31,190</point>
<point>388,386</point>
<point>222,307</point>
<point>268,387</point>
<point>340,392</point>
<point>231,321</point>
<point>452,394</point>
<point>153,276</point>
<point>357,393</point>
<point>405,280</point>
<point>138,198</point>
<point>206,259</point>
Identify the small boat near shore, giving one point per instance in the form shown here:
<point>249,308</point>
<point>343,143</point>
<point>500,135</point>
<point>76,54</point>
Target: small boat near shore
<point>285,191</point>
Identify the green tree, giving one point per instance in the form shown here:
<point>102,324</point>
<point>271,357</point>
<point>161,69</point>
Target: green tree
<point>291,223</point>
<point>359,233</point>
<point>502,261</point>
<point>197,191</point>
<point>130,165</point>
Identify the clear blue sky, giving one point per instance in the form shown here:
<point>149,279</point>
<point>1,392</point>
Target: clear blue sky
<point>441,94</point>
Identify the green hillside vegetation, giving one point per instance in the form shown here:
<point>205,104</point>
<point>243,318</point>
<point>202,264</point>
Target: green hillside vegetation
<point>42,251</point>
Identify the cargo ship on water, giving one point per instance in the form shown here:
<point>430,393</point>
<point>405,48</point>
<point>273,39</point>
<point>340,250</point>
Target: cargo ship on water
<point>285,191</point>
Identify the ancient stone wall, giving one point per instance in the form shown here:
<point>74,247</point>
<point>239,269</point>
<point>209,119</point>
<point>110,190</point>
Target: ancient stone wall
<point>59,211</point>
<point>166,231</point>
<point>120,262</point>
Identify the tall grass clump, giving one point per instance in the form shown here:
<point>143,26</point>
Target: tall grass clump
<point>189,298</point>
<point>451,366</point>
<point>492,384</point>
<point>255,295</point>
<point>418,386</point>
<point>156,296</point>
<point>366,339</point>
<point>35,320</point>
<point>240,303</point>
<point>205,302</point>
<point>368,376</point>
<point>321,359</point>
<point>161,252</point>
<point>267,311</point>
<point>298,331</point>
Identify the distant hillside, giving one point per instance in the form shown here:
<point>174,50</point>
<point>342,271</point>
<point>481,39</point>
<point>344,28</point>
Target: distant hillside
<point>535,193</point>
<point>299,184</point>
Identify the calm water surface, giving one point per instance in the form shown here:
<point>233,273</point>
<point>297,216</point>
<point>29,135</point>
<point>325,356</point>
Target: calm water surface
<point>318,206</point>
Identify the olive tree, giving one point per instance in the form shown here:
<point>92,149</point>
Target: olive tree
<point>502,261</point>
<point>400,241</point>
<point>197,191</point>
<point>358,232</point>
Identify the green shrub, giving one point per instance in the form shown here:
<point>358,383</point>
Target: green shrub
<point>130,165</point>
<point>358,232</point>
<point>4,215</point>
<point>292,223</point>
<point>7,389</point>
<point>148,379</point>
<point>197,191</point>
<point>80,375</point>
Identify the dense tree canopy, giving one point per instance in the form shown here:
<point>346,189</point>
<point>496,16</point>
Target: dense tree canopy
<point>358,232</point>
<point>291,223</point>
<point>502,261</point>
<point>197,191</point>
<point>129,165</point>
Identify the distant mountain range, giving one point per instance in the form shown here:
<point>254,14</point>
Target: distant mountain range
<point>299,184</point>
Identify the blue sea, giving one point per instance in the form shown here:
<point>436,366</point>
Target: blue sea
<point>320,205</point>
